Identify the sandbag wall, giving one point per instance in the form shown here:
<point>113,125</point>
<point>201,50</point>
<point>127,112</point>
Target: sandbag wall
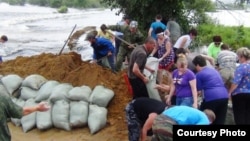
<point>71,107</point>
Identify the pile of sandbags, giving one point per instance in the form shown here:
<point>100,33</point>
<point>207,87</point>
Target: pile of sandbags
<point>71,107</point>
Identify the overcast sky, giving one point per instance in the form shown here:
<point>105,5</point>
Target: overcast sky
<point>226,1</point>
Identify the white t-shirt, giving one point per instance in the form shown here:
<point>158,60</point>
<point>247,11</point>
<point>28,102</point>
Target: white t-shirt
<point>179,41</point>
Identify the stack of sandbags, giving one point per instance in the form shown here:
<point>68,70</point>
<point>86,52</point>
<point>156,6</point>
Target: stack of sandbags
<point>71,107</point>
<point>99,99</point>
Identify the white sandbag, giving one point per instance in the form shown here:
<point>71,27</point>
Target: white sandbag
<point>29,121</point>
<point>27,93</point>
<point>60,92</point>
<point>152,92</point>
<point>34,81</point>
<point>60,115</point>
<point>16,93</point>
<point>80,93</point>
<point>79,111</point>
<point>12,82</point>
<point>97,118</point>
<point>46,89</point>
<point>152,63</point>
<point>3,91</point>
<point>44,119</point>
<point>21,103</point>
<point>101,96</point>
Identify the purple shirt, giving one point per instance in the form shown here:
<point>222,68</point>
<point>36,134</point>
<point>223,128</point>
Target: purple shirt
<point>181,82</point>
<point>210,81</point>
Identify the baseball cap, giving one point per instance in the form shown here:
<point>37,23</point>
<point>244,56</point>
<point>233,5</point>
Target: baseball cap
<point>133,24</point>
<point>89,36</point>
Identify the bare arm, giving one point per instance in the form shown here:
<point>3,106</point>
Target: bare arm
<point>210,59</point>
<point>168,48</point>
<point>183,42</point>
<point>148,125</point>
<point>42,106</point>
<point>162,87</point>
<point>154,51</point>
<point>171,93</point>
<point>150,31</point>
<point>167,32</point>
<point>232,88</point>
<point>192,84</point>
<point>138,73</point>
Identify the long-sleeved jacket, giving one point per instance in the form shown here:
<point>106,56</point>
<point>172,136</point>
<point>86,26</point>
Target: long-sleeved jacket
<point>131,37</point>
<point>101,47</point>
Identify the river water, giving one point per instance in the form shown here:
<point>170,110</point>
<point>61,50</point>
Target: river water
<point>33,30</point>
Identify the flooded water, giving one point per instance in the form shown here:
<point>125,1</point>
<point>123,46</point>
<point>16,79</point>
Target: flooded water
<point>33,30</point>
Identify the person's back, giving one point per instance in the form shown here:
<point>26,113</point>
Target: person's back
<point>211,82</point>
<point>185,115</point>
<point>102,46</point>
<point>156,24</point>
<point>215,94</point>
<point>174,29</point>
<point>227,61</point>
<point>226,58</point>
<point>143,106</point>
<point>137,113</point>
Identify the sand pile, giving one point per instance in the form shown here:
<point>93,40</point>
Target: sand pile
<point>69,68</point>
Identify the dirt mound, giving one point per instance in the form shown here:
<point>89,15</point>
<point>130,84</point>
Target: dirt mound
<point>70,68</point>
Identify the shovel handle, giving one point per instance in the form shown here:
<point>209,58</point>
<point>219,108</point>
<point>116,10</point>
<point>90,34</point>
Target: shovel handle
<point>67,40</point>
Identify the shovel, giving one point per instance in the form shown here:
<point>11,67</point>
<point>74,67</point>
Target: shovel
<point>129,44</point>
<point>67,40</point>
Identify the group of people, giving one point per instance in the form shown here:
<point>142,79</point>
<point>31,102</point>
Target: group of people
<point>118,41</point>
<point>115,47</point>
<point>215,77</point>
<point>191,77</point>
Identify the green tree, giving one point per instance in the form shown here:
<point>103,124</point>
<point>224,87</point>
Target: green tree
<point>55,3</point>
<point>39,2</point>
<point>187,12</point>
<point>15,2</point>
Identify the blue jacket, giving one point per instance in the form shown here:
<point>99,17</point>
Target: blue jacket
<point>101,47</point>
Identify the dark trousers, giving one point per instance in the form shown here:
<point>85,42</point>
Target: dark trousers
<point>117,44</point>
<point>134,125</point>
<point>139,88</point>
<point>241,108</point>
<point>175,55</point>
<point>219,107</point>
